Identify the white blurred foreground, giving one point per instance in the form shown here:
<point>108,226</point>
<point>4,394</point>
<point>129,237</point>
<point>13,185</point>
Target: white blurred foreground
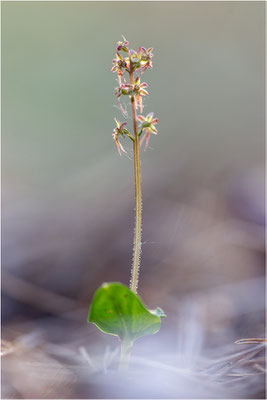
<point>65,358</point>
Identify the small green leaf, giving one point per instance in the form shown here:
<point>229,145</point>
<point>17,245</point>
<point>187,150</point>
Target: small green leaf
<point>118,311</point>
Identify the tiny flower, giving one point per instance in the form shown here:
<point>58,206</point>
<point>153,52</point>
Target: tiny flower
<point>137,88</point>
<point>117,132</point>
<point>125,89</point>
<point>148,123</point>
<point>135,60</point>
<point>119,65</point>
<point>145,57</point>
<point>123,45</point>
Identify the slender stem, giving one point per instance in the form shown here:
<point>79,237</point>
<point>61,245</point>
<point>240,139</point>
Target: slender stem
<point>126,347</point>
<point>138,198</point>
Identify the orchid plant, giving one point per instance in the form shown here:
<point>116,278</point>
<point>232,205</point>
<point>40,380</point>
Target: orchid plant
<point>117,309</point>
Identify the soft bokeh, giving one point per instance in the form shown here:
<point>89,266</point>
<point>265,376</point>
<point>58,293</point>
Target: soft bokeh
<point>68,197</point>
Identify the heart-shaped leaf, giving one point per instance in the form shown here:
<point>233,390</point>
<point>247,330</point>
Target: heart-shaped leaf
<point>118,311</point>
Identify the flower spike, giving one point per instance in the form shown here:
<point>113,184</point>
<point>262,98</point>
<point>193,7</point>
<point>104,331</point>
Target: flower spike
<point>135,63</point>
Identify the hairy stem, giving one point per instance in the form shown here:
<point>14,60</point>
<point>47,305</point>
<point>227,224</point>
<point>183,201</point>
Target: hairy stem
<point>138,198</point>
<point>126,346</point>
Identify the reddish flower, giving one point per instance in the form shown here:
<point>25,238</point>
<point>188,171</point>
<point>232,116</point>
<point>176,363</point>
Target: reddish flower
<point>148,123</point>
<point>117,132</point>
<point>145,57</point>
<point>123,45</point>
<point>120,64</point>
<point>137,88</point>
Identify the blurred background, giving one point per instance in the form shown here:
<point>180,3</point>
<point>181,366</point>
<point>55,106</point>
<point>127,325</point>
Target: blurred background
<point>68,198</point>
